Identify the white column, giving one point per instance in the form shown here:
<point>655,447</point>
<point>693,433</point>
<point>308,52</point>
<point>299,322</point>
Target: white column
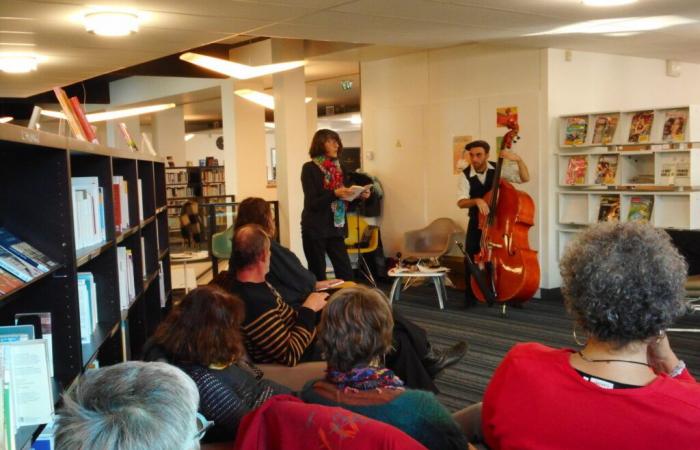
<point>169,134</point>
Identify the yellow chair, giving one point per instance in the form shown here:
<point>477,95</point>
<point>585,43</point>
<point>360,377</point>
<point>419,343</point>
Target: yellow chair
<point>368,236</point>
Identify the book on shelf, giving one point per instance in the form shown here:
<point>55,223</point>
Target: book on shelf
<point>125,272</point>
<point>161,285</point>
<point>640,127</point>
<point>87,303</point>
<point>22,270</point>
<point>88,132</point>
<point>29,381</point>
<point>41,321</point>
<point>16,333</point>
<point>88,212</point>
<point>34,119</point>
<point>641,207</point>
<point>139,192</point>
<point>609,209</point>
<point>604,128</point>
<point>120,198</point>
<point>606,169</point>
<point>25,251</point>
<point>8,282</point>
<point>71,117</point>
<point>146,143</point>
<point>576,170</point>
<point>576,128</point>
<point>674,125</point>
<point>127,137</point>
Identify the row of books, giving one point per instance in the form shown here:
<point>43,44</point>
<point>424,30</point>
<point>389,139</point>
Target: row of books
<point>214,189</point>
<point>180,176</point>
<point>25,376</point>
<point>209,176</point>
<point>640,209</point>
<point>75,116</point>
<point>605,126</point>
<point>20,262</point>
<point>577,168</point>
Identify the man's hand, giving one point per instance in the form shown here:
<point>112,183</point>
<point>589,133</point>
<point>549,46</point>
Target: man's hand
<point>482,205</point>
<point>316,301</point>
<point>342,192</point>
<point>507,154</point>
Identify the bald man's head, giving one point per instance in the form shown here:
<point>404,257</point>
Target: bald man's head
<point>249,245</point>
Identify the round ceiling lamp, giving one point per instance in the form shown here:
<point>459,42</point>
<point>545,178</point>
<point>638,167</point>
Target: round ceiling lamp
<point>111,23</point>
<point>18,62</point>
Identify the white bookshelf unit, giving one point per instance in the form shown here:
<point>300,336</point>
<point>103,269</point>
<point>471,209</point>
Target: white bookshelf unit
<point>647,156</point>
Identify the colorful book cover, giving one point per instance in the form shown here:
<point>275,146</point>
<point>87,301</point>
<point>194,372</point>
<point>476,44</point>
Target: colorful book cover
<point>25,251</point>
<point>82,119</point>
<point>604,128</point>
<point>606,169</point>
<point>8,283</point>
<point>674,125</point>
<point>640,127</point>
<point>69,113</point>
<point>576,128</point>
<point>17,267</point>
<point>640,208</point>
<point>609,210</point>
<point>576,170</point>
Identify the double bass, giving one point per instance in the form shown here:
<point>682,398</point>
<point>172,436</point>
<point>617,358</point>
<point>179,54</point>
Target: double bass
<point>506,269</point>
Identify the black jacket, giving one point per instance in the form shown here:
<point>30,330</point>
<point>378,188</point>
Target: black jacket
<point>317,217</point>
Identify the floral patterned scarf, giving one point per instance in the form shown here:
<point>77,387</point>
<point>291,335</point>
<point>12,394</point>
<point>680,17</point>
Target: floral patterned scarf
<point>364,379</point>
<point>332,180</point>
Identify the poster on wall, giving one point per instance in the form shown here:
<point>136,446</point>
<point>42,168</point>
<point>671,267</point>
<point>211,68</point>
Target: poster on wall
<point>503,116</point>
<point>458,161</point>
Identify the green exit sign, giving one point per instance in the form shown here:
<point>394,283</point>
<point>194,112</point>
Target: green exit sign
<point>346,85</point>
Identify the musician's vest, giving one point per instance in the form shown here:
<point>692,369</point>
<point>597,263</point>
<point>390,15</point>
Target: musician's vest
<point>477,190</point>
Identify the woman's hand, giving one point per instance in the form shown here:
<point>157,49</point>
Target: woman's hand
<point>365,194</point>
<point>660,355</point>
<point>342,192</point>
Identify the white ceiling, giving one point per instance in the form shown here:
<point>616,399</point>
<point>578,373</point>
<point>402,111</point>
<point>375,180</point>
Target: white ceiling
<point>52,29</point>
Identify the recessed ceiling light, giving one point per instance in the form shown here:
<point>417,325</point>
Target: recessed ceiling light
<point>607,2</point>
<point>6,119</point>
<point>18,62</point>
<point>111,23</point>
<point>619,25</point>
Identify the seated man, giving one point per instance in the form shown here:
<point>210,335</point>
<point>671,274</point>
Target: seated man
<point>131,406</point>
<point>275,332</point>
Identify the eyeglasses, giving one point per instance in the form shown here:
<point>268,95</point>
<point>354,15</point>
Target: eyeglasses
<point>202,426</point>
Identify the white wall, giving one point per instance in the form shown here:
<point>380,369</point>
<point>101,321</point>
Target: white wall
<point>203,145</point>
<point>413,105</point>
<point>593,82</point>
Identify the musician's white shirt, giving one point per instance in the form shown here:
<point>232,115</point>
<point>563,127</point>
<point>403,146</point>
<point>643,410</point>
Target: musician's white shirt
<point>509,172</point>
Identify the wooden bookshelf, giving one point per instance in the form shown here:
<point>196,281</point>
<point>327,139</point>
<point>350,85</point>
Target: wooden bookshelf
<point>36,205</point>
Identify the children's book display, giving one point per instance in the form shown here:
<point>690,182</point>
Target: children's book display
<point>576,128</point>
<point>640,127</point>
<point>640,208</point>
<point>606,169</point>
<point>576,171</point>
<point>609,210</point>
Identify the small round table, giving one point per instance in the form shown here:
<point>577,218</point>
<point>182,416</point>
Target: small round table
<point>184,258</point>
<point>402,275</point>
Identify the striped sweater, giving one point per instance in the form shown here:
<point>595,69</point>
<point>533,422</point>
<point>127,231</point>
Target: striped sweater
<point>273,330</point>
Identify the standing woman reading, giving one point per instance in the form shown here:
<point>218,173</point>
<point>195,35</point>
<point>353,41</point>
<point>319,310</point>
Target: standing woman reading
<point>323,226</point>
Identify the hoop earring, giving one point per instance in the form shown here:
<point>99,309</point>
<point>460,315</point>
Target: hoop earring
<point>576,339</point>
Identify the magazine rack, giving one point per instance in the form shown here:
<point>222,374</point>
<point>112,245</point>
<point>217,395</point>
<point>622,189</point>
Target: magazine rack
<point>644,160</point>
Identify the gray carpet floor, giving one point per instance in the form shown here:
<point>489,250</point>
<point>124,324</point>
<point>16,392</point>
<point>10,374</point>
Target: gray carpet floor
<point>490,336</point>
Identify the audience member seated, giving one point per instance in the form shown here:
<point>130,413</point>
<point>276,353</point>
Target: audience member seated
<point>201,335</point>
<point>130,406</point>
<point>625,388</point>
<point>287,423</point>
<point>276,332</point>
<point>354,335</point>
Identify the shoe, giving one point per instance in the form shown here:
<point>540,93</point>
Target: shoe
<point>437,360</point>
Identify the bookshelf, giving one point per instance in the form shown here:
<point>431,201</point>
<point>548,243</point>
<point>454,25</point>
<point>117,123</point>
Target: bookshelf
<point>624,158</point>
<point>36,205</point>
<point>203,184</point>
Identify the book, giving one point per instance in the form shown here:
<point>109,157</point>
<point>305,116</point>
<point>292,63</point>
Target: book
<point>127,137</point>
<point>609,210</point>
<point>82,119</point>
<point>69,113</point>
<point>34,119</point>
<point>356,191</point>
<point>16,333</point>
<point>674,125</point>
<point>640,127</point>
<point>22,270</point>
<point>606,169</point>
<point>641,207</point>
<point>25,251</point>
<point>576,128</point>
<point>8,282</point>
<point>41,321</point>
<point>576,170</point>
<point>604,128</point>
<point>30,385</point>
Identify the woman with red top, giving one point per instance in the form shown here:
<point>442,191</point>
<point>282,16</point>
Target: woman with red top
<point>323,227</point>
<point>625,388</point>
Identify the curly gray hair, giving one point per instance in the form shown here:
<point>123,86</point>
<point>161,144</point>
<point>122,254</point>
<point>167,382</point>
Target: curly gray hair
<point>130,406</point>
<point>623,282</point>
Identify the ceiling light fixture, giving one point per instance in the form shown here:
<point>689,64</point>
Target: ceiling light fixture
<point>6,119</point>
<point>604,3</point>
<point>18,62</point>
<point>261,98</point>
<point>236,70</point>
<point>116,114</point>
<point>111,23</point>
<point>619,25</point>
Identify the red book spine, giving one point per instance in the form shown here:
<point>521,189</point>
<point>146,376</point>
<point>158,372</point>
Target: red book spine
<point>117,202</point>
<point>84,124</point>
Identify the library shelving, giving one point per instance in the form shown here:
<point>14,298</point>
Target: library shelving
<point>36,204</point>
<point>629,164</point>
